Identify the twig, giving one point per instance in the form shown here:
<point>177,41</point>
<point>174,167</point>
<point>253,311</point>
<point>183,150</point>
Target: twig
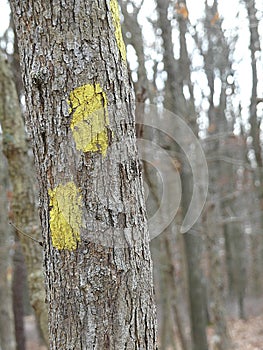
<point>25,234</point>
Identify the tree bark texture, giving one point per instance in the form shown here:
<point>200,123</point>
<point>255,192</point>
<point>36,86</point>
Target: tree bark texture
<point>24,209</point>
<point>81,117</point>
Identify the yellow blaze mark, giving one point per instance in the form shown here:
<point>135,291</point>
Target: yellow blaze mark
<point>88,103</point>
<point>114,7</point>
<point>65,216</point>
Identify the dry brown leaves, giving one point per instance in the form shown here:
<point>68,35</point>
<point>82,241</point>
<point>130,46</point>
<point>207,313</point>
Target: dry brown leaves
<point>247,335</point>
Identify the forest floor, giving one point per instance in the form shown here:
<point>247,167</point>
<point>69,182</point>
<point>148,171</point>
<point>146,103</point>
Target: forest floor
<point>246,335</point>
<point>32,337</point>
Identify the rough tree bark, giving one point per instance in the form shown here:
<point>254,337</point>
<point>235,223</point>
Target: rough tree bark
<point>81,115</point>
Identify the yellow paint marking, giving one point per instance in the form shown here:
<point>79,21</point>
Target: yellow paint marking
<point>88,103</point>
<point>114,7</point>
<point>65,216</point>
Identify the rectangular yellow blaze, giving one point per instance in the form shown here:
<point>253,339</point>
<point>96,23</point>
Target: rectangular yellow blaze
<point>65,216</point>
<point>114,7</point>
<point>88,103</point>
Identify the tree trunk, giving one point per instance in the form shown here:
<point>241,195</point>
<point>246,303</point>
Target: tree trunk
<point>7,329</point>
<point>238,252</point>
<point>18,289</point>
<point>81,116</point>
<point>24,208</point>
<point>196,290</point>
<point>255,120</point>
<point>217,58</point>
<point>254,46</point>
<point>212,238</point>
<point>178,75</point>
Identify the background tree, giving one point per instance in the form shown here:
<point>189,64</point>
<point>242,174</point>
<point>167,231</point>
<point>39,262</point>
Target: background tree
<point>24,209</point>
<point>178,76</point>
<point>7,325</point>
<point>255,120</point>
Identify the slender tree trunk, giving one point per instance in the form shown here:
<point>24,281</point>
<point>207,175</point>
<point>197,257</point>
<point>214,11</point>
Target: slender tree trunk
<point>238,252</point>
<point>255,48</point>
<point>18,289</point>
<point>143,87</point>
<point>255,270</point>
<point>81,115</point>
<point>212,238</point>
<point>229,260</point>
<point>178,72</point>
<point>7,328</point>
<point>167,326</point>
<point>24,208</point>
<point>215,61</point>
<point>193,252</point>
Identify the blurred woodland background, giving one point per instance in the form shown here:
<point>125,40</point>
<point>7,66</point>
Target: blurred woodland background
<point>201,60</point>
